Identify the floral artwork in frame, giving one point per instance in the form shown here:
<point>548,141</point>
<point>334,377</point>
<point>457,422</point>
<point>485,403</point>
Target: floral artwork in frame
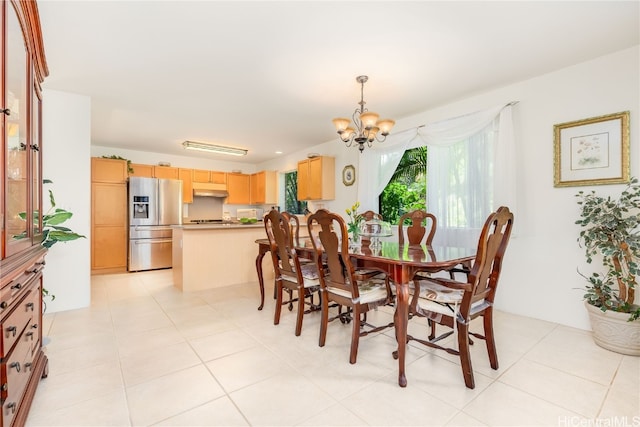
<point>592,151</point>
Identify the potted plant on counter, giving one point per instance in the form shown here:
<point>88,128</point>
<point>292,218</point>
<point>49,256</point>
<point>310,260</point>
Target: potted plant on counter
<point>610,234</point>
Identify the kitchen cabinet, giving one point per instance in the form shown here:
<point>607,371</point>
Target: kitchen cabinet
<point>215,177</point>
<point>186,176</point>
<point>145,171</point>
<point>22,257</point>
<point>165,172</point>
<point>316,179</point>
<point>264,188</point>
<point>239,188</point>
<point>108,215</point>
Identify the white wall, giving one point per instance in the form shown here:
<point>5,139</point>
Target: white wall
<point>66,127</point>
<point>539,275</point>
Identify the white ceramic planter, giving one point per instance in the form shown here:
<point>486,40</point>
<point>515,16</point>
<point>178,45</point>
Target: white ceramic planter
<point>612,331</point>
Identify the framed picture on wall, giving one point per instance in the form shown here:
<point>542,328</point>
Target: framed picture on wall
<point>348,175</point>
<point>592,151</point>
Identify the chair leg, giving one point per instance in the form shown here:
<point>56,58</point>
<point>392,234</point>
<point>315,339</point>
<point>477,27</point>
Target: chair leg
<point>301,300</point>
<point>355,335</point>
<point>324,321</point>
<point>278,291</point>
<point>490,338</point>
<point>465,355</point>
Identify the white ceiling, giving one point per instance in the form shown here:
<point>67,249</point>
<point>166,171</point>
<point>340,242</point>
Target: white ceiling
<point>269,76</point>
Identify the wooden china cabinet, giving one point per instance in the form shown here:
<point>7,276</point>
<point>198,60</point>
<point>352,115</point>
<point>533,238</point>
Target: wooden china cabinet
<point>24,68</point>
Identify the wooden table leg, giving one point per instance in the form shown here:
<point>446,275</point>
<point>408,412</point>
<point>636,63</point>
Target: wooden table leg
<point>260,277</point>
<point>401,323</point>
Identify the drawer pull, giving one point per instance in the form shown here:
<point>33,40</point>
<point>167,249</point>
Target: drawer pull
<point>12,330</point>
<point>30,335</point>
<point>30,305</point>
<point>12,407</point>
<point>28,365</point>
<point>15,365</point>
<point>43,262</point>
<point>33,270</point>
<point>4,304</point>
<point>4,387</point>
<point>16,286</point>
<point>34,326</point>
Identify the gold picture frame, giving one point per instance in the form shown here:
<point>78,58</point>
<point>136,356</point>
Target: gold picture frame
<point>348,175</point>
<point>592,151</point>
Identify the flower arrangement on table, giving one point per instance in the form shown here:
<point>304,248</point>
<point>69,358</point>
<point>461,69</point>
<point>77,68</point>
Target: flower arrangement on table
<point>353,225</point>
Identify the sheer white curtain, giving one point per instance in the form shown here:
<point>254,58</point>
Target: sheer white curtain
<point>470,170</point>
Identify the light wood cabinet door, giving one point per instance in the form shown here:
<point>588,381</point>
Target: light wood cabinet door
<point>108,225</point>
<point>238,186</point>
<point>186,175</point>
<point>316,179</point>
<point>165,172</point>
<point>200,175</point>
<point>218,177</point>
<point>145,171</point>
<point>108,170</point>
<point>264,188</point>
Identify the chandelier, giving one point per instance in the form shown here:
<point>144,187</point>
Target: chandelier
<point>367,126</point>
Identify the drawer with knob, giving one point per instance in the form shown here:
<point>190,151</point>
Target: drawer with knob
<point>16,372</point>
<point>15,323</point>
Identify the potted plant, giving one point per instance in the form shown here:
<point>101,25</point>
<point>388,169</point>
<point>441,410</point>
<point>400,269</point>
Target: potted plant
<point>52,229</point>
<point>610,233</point>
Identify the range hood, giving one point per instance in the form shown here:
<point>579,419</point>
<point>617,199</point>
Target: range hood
<point>204,189</point>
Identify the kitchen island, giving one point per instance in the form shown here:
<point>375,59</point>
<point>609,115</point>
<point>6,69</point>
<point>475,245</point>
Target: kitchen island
<point>207,256</point>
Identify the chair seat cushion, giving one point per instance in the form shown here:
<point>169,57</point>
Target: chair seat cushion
<point>370,291</point>
<point>309,275</point>
<point>433,291</point>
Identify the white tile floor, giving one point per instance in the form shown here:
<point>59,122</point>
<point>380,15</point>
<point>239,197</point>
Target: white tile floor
<point>145,354</point>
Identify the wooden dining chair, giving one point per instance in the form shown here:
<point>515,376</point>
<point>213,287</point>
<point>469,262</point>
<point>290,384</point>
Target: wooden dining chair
<point>455,304</point>
<point>420,231</point>
<point>291,275</point>
<point>338,283</point>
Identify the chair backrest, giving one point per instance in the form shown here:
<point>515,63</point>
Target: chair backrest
<point>330,240</point>
<point>420,231</point>
<point>369,215</point>
<point>294,224</point>
<point>283,253</point>
<point>492,245</point>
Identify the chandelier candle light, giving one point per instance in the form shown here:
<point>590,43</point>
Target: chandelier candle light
<point>367,126</point>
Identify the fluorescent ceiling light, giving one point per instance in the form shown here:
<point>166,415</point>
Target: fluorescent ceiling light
<point>210,148</point>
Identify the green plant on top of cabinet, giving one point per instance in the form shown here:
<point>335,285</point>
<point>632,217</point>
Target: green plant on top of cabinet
<point>316,179</point>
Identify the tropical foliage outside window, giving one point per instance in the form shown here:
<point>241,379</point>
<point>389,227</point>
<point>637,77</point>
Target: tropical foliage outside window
<point>407,189</point>
<point>291,202</point>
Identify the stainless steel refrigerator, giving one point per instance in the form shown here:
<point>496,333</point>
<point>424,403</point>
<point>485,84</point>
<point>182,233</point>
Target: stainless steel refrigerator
<point>154,206</point>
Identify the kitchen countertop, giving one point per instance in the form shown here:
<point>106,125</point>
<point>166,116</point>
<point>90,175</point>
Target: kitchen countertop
<point>218,226</point>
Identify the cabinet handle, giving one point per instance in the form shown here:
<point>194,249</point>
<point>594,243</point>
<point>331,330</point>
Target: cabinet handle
<point>6,111</point>
<point>15,365</point>
<point>30,335</point>
<point>28,365</point>
<point>12,329</point>
<point>43,262</point>
<point>12,407</point>
<point>34,326</point>
<point>33,270</point>
<point>4,304</point>
<point>16,286</point>
<point>30,306</point>
<point>34,147</point>
<point>4,387</point>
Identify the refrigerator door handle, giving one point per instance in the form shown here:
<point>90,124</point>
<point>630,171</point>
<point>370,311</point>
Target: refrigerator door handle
<point>151,227</point>
<point>150,241</point>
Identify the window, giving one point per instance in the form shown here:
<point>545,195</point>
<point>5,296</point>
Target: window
<point>291,202</point>
<point>407,189</point>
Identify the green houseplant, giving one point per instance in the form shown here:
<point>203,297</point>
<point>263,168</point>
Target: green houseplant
<point>52,229</point>
<point>610,233</point>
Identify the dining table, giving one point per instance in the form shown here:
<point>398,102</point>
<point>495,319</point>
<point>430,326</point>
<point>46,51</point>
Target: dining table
<point>400,262</point>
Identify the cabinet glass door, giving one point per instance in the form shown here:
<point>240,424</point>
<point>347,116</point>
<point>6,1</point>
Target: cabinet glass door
<point>16,137</point>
